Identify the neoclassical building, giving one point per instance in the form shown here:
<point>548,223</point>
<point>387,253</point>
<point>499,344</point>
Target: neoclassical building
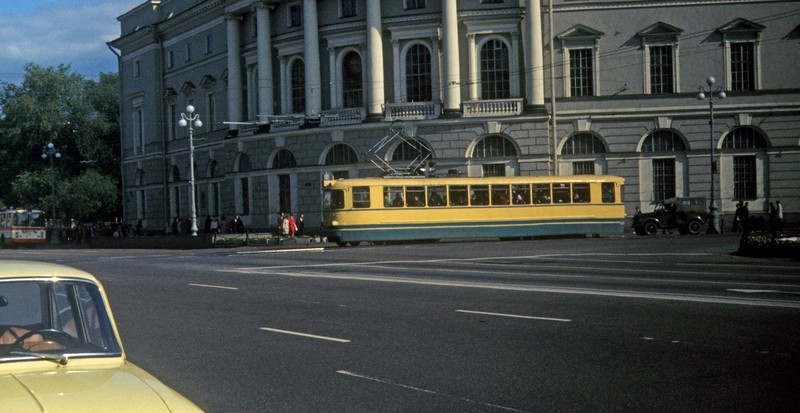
<point>290,89</point>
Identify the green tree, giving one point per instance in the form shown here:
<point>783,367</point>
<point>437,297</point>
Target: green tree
<point>89,196</point>
<point>81,117</point>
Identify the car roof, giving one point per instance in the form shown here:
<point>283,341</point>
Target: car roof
<point>32,269</point>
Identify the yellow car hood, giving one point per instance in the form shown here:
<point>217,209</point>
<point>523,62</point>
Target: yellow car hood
<point>65,390</point>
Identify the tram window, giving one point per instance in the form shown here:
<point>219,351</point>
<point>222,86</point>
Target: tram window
<point>333,200</point>
<point>520,194</point>
<point>393,196</point>
<point>458,195</point>
<point>361,197</point>
<point>500,195</point>
<point>479,194</point>
<point>436,196</point>
<point>541,193</point>
<point>561,193</point>
<point>609,195</point>
<point>581,193</point>
<point>416,196</point>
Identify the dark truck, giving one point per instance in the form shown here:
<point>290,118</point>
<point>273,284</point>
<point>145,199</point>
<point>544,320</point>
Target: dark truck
<point>687,215</point>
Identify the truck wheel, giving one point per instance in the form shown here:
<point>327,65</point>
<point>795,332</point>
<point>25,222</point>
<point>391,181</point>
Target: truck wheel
<point>695,226</point>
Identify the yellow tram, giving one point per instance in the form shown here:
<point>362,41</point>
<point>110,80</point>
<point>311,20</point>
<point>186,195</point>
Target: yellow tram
<point>390,209</point>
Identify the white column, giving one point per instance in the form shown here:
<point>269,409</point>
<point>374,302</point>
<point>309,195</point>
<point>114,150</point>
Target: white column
<point>472,57</point>
<point>435,70</point>
<point>452,76</point>
<point>397,72</point>
<point>534,71</point>
<point>334,75</point>
<point>375,85</point>
<point>311,58</point>
<point>265,90</point>
<point>234,72</point>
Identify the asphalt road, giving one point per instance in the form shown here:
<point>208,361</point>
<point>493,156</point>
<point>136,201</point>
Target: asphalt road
<point>664,323</point>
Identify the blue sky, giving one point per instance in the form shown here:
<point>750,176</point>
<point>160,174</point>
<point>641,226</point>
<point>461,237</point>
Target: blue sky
<point>52,32</point>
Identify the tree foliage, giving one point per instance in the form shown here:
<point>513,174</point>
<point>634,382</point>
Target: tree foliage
<point>81,118</point>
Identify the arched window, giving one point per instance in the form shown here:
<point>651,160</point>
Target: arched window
<point>340,154</point>
<point>583,143</point>
<point>212,170</point>
<point>418,74</point>
<point>494,146</point>
<point>663,141</point>
<point>495,72</point>
<point>298,86</point>
<point>353,89</point>
<point>411,149</point>
<point>243,163</point>
<point>744,137</point>
<point>284,159</point>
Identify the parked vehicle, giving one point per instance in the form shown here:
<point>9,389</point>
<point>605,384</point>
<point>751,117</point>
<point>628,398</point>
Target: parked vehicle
<point>687,215</point>
<point>60,349</point>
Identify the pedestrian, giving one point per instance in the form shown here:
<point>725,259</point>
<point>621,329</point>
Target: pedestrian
<point>779,221</point>
<point>301,226</point>
<point>292,225</point>
<point>238,225</point>
<point>772,221</point>
<point>737,217</point>
<point>279,225</point>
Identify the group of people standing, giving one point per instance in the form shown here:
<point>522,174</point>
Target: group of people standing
<point>744,222</point>
<point>288,226</point>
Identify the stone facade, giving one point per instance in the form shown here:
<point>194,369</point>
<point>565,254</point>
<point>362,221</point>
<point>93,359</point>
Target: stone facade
<point>289,90</point>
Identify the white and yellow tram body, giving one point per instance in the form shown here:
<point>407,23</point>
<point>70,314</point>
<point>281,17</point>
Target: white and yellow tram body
<point>417,208</point>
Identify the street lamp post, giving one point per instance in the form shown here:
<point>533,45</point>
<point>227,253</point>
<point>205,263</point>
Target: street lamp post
<point>709,93</point>
<point>191,119</point>
<point>50,152</point>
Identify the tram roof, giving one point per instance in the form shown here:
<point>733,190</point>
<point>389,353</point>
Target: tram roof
<point>460,180</point>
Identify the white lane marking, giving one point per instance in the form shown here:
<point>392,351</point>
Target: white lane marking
<point>527,317</point>
<point>214,286</point>
<point>540,289</point>
<point>282,250</point>
<point>746,291</point>
<point>295,333</point>
<point>433,392</point>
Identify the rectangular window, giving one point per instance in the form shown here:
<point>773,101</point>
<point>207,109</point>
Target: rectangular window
<point>583,168</point>
<point>333,200</point>
<point>209,44</point>
<point>137,68</point>
<point>609,192</point>
<point>541,194</point>
<point>436,196</point>
<point>581,73</point>
<point>415,4</point>
<point>348,8</point>
<point>188,51</point>
<point>138,131</point>
<point>415,196</point>
<point>479,195</point>
<point>458,195</point>
<point>500,195</point>
<point>663,179</point>
<point>285,193</point>
<point>495,169</point>
<point>211,109</point>
<point>172,121</point>
<point>744,177</point>
<point>521,194</point>
<point>295,15</point>
<point>561,193</point>
<point>581,193</point>
<point>361,197</point>
<point>170,59</point>
<point>743,66</point>
<point>661,70</point>
<point>245,182</point>
<point>393,197</point>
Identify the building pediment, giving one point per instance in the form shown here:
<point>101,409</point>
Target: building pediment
<point>580,32</point>
<point>661,30</point>
<point>741,26</point>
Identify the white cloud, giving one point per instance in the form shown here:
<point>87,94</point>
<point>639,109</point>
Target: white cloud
<point>62,33</point>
